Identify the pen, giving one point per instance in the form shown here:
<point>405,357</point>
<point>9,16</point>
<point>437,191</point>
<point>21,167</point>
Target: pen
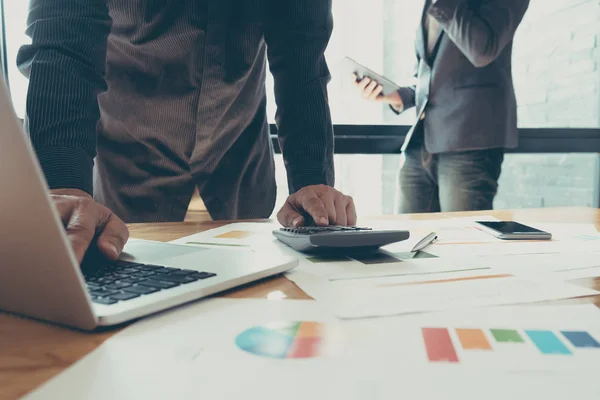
<point>426,241</point>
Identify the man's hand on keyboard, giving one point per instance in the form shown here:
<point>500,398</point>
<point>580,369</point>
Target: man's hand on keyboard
<point>84,220</point>
<point>324,204</point>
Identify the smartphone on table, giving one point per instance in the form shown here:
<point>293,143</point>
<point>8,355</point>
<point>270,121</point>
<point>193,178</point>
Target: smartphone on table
<point>511,230</point>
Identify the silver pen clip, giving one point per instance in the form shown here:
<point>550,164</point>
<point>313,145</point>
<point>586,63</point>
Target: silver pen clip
<point>426,241</point>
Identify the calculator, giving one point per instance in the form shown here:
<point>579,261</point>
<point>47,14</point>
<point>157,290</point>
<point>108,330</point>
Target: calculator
<point>338,239</point>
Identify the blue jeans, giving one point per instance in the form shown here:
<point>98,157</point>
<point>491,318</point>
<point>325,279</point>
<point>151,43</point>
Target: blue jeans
<point>459,181</point>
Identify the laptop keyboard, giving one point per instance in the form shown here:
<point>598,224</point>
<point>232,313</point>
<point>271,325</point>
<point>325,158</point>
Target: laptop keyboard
<point>114,281</point>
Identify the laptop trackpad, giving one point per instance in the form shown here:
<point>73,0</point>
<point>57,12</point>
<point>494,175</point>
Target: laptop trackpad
<point>156,253</point>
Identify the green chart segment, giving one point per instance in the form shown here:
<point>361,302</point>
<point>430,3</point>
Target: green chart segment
<point>506,336</point>
<point>282,340</point>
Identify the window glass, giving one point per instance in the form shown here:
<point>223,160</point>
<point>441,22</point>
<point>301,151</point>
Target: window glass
<point>15,20</point>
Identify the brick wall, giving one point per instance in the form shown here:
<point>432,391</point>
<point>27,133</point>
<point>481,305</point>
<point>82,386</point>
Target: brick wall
<point>557,78</point>
<point>548,180</point>
<point>557,64</point>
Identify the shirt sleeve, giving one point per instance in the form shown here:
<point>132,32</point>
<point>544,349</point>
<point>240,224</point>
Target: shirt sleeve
<point>480,32</point>
<point>65,65</point>
<point>407,93</point>
<point>297,33</point>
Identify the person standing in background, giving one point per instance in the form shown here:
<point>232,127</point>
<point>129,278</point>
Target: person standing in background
<point>465,104</point>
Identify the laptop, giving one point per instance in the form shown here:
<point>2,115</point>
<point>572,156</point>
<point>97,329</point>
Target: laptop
<point>40,277</point>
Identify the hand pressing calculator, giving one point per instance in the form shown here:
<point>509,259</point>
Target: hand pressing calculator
<point>337,239</point>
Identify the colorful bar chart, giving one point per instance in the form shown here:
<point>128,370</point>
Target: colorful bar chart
<point>440,347</point>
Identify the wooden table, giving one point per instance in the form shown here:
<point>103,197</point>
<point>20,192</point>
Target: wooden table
<point>32,352</point>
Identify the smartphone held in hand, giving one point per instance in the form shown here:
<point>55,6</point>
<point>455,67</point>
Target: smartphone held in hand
<point>352,67</point>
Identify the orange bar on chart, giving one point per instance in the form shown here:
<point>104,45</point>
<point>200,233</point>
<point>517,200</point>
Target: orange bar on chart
<point>473,339</point>
<point>234,235</point>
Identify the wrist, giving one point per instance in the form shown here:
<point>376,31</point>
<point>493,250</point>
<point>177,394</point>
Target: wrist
<point>398,107</point>
<point>67,168</point>
<point>395,101</point>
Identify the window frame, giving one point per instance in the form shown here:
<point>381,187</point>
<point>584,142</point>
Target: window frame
<point>388,139</point>
<point>3,47</point>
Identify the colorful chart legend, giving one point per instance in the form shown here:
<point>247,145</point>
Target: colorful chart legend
<point>440,346</point>
<point>282,340</point>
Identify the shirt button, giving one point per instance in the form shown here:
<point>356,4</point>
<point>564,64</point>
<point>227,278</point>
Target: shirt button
<point>422,116</point>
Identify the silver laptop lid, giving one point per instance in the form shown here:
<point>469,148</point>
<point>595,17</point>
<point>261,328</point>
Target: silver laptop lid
<point>39,274</point>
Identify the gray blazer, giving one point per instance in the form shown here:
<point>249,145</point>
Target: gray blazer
<point>464,95</point>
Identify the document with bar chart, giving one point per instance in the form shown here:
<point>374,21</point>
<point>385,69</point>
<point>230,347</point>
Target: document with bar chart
<point>528,339</point>
<point>236,349</point>
<point>443,344</point>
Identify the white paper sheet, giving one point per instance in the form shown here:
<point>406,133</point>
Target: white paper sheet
<point>575,274</point>
<point>380,264</point>
<point>566,238</point>
<point>499,339</point>
<point>449,231</point>
<point>259,237</point>
<point>378,297</point>
<point>452,232</point>
<point>512,248</point>
<point>562,267</point>
<point>193,353</point>
<point>573,232</point>
<point>462,237</point>
<point>245,236</point>
<point>397,260</point>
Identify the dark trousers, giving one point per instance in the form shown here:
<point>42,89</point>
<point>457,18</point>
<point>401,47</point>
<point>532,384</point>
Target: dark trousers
<point>458,181</point>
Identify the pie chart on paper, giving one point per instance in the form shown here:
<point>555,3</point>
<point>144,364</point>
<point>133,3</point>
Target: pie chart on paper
<point>283,340</point>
